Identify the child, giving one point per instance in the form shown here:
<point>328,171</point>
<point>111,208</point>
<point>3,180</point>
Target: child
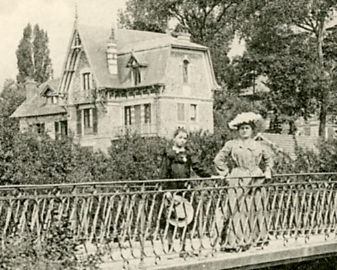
<point>178,163</point>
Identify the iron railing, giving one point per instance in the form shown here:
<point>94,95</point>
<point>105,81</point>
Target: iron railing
<point>131,219</point>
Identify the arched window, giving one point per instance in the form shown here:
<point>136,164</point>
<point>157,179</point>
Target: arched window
<point>185,70</point>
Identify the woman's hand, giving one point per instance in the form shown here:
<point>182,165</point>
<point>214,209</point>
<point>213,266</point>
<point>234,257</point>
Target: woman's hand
<point>267,174</point>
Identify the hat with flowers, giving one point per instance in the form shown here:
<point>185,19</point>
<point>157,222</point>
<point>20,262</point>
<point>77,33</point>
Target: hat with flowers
<point>245,118</point>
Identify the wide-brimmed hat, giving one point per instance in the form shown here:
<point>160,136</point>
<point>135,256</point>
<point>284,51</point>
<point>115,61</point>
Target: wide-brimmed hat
<point>181,213</point>
<point>245,118</point>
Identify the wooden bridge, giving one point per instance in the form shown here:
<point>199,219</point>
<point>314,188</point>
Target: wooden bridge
<point>127,221</point>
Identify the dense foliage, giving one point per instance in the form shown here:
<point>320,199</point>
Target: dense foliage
<point>31,159</point>
<point>33,55</point>
<point>59,251</point>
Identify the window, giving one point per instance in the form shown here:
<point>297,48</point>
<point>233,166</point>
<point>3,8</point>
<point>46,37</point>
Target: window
<point>127,115</point>
<point>137,115</point>
<point>307,131</point>
<point>61,129</point>
<point>40,128</point>
<point>185,71</point>
<point>86,81</point>
<point>136,75</point>
<point>147,113</point>
<point>87,121</point>
<point>54,99</point>
<point>87,113</point>
<point>193,112</point>
<point>181,112</point>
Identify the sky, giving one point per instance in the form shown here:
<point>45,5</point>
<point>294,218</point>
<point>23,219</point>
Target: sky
<point>57,18</point>
<point>54,16</point>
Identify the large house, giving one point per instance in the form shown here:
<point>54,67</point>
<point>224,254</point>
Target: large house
<point>116,80</point>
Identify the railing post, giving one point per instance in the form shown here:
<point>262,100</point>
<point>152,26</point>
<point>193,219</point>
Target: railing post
<point>142,227</point>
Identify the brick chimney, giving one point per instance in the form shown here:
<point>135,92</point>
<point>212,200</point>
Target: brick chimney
<point>111,53</point>
<point>31,88</point>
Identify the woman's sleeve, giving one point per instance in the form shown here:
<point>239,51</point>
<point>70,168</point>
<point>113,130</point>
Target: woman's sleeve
<point>220,160</point>
<point>268,162</point>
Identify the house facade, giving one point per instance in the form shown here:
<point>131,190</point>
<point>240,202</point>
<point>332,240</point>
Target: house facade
<point>116,81</point>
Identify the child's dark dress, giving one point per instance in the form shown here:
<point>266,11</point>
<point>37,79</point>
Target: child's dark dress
<point>179,165</point>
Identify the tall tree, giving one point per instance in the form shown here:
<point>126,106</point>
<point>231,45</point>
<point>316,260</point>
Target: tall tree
<point>24,55</point>
<point>296,20</point>
<point>33,55</point>
<point>42,61</point>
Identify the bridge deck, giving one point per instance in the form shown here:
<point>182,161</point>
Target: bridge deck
<point>129,221</point>
<point>278,252</point>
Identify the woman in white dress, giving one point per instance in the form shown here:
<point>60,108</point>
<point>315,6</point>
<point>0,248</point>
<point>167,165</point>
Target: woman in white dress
<point>247,221</point>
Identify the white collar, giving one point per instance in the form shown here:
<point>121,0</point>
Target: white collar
<point>178,150</point>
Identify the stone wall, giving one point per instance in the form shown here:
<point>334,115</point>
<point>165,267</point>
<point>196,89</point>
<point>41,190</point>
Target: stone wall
<point>48,120</point>
<point>199,84</point>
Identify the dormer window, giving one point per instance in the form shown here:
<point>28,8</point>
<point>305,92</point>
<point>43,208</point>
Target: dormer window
<point>54,99</point>
<point>136,76</point>
<point>185,71</point>
<point>136,69</point>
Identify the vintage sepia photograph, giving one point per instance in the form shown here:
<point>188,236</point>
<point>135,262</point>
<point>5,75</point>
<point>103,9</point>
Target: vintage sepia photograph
<point>168,134</point>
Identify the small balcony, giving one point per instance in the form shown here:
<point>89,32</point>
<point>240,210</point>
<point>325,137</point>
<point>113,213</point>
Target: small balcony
<point>84,96</point>
<point>144,129</point>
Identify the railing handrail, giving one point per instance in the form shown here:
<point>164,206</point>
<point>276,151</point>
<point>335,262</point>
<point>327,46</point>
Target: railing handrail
<point>145,181</point>
<point>138,222</point>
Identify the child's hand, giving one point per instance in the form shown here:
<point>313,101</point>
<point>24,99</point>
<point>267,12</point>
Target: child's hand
<point>168,195</point>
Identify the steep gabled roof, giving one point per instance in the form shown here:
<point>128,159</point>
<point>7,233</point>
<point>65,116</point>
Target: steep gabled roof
<point>147,47</point>
<point>287,143</point>
<point>154,73</point>
<point>94,40</point>
<point>38,104</point>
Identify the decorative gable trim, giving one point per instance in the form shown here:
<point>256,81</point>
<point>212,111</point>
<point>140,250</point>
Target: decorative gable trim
<point>48,92</point>
<point>134,62</point>
<point>73,56</point>
<point>75,49</point>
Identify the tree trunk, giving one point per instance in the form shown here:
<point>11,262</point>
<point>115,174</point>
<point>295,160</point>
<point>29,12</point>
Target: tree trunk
<point>292,127</point>
<point>324,92</point>
<point>322,119</point>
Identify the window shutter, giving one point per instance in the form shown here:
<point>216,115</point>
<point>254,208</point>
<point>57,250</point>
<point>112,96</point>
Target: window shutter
<point>181,112</point>
<point>56,130</point>
<point>94,120</point>
<point>79,122</point>
<point>147,113</point>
